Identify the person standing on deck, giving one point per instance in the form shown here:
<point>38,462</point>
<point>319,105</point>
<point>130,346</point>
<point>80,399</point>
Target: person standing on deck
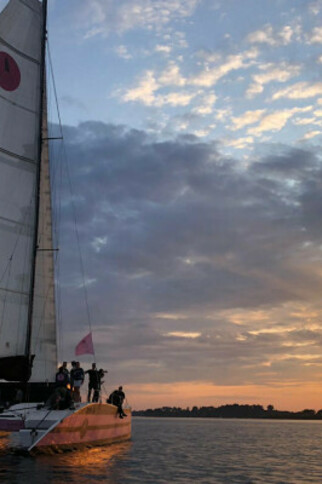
<point>62,378</point>
<point>73,363</point>
<point>77,376</point>
<point>93,383</point>
<point>65,370</point>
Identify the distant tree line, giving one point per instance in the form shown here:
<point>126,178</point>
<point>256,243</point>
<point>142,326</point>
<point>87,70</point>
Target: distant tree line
<point>229,411</point>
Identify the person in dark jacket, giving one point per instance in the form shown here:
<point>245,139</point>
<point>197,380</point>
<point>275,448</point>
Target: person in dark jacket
<point>61,397</point>
<point>65,370</point>
<point>95,382</point>
<point>117,398</point>
<point>62,377</point>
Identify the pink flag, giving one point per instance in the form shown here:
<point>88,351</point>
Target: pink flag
<point>85,346</point>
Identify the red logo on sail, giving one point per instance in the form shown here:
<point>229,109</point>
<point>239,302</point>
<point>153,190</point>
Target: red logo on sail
<point>9,72</point>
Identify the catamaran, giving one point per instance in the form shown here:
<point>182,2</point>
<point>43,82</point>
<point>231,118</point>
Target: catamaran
<point>28,347</point>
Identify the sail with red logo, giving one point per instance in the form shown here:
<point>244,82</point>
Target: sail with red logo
<point>26,294</point>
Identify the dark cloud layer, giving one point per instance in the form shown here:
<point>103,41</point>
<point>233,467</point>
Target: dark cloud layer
<point>174,236</point>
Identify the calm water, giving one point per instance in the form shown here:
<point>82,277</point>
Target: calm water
<point>184,451</point>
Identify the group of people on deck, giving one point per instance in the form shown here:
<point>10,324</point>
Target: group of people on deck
<point>68,385</point>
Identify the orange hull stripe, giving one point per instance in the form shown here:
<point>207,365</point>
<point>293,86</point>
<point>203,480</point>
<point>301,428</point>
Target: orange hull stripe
<point>89,427</point>
<point>79,445</point>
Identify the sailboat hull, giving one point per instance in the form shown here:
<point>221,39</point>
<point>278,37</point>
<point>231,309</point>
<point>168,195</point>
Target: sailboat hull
<point>95,424</point>
<point>88,425</point>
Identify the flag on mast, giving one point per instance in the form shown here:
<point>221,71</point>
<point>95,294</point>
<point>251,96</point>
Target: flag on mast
<point>85,346</point>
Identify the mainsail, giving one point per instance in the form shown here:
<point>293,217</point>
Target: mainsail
<point>21,274</point>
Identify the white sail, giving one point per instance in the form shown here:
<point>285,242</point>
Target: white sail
<point>20,63</point>
<point>43,341</point>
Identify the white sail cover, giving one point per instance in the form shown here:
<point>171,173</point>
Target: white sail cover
<point>20,58</point>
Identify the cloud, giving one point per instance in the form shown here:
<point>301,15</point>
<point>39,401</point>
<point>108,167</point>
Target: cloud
<point>171,76</point>
<point>211,75</point>
<point>148,198</point>
<point>223,114</point>
<point>276,121</point>
<point>310,135</point>
<point>316,36</point>
<point>303,121</point>
<point>271,73</point>
<point>268,36</point>
<point>182,334</point>
<point>101,17</point>
<point>123,52</point>
<point>166,49</point>
<point>179,241</point>
<point>205,104</point>
<point>315,7</point>
<point>300,90</point>
<point>239,143</point>
<point>175,99</point>
<point>145,93</point>
<point>247,118</point>
<point>151,85</point>
<point>145,90</point>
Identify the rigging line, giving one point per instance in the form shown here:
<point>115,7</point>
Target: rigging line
<point>5,299</point>
<point>80,253</point>
<point>55,89</point>
<point>57,309</point>
<point>41,421</point>
<point>60,127</point>
<point>72,202</point>
<point>8,267</point>
<point>56,177</point>
<point>56,173</point>
<point>22,226</point>
<point>26,260</point>
<point>9,262</point>
<point>105,394</point>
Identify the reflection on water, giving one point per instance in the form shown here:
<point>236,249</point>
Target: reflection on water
<point>183,451</point>
<point>92,464</point>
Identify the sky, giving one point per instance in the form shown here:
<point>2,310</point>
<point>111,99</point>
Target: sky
<point>192,130</point>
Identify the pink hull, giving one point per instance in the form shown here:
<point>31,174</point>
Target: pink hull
<point>92,425</point>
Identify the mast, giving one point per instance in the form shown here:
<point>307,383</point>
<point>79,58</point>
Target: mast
<point>37,202</point>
